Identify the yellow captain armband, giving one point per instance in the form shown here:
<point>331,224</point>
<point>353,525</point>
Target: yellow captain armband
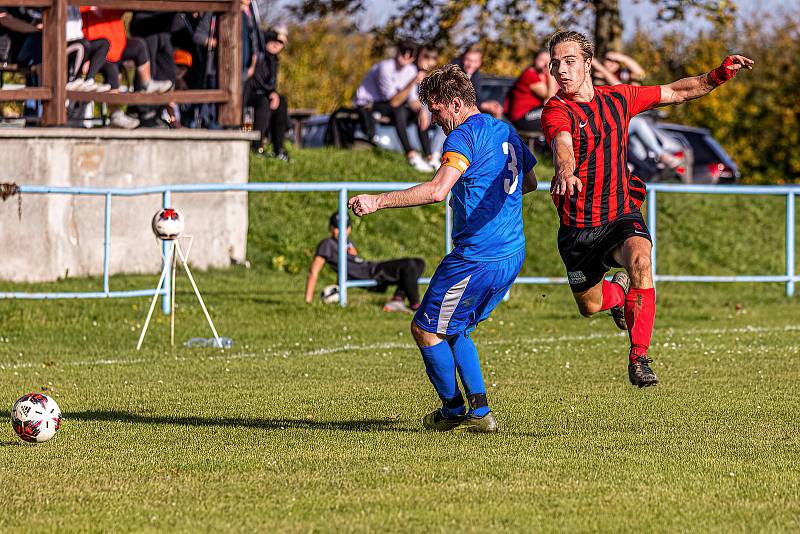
<point>455,160</point>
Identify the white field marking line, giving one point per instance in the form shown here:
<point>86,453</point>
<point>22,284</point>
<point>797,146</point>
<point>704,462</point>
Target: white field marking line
<point>278,351</point>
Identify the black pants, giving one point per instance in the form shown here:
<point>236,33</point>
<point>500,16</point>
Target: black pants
<point>404,272</point>
<point>530,122</point>
<point>94,52</point>
<point>135,50</point>
<point>400,117</point>
<point>271,123</point>
<point>162,56</point>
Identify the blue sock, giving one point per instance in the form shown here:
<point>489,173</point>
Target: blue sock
<point>441,369</point>
<point>469,368</point>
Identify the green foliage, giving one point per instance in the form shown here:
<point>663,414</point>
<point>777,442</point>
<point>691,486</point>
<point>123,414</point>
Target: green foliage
<point>323,64</point>
<point>756,116</point>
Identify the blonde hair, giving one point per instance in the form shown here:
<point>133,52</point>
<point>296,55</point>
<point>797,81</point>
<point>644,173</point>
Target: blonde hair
<point>587,48</point>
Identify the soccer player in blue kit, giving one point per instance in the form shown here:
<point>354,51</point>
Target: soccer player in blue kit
<point>488,168</point>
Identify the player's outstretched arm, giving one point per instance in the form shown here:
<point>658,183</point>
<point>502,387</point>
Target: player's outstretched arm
<point>564,182</point>
<point>685,89</point>
<point>425,193</point>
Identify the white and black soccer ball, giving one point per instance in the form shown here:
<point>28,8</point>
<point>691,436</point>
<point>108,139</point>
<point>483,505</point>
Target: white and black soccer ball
<point>330,294</point>
<point>168,224</point>
<point>35,417</point>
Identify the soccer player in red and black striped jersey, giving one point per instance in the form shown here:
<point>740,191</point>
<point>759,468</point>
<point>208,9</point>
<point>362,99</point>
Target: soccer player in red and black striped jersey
<point>595,194</point>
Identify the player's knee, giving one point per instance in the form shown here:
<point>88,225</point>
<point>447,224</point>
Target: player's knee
<point>418,333</point>
<point>640,266</point>
<point>587,309</point>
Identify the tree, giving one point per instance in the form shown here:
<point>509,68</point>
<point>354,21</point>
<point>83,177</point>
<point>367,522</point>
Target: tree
<point>450,24</point>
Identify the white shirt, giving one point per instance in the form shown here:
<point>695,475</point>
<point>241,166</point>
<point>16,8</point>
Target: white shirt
<point>383,81</point>
<point>74,23</point>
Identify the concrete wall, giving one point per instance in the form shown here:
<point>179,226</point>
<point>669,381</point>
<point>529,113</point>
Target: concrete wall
<point>62,235</point>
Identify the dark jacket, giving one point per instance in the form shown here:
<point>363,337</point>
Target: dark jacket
<point>265,77</point>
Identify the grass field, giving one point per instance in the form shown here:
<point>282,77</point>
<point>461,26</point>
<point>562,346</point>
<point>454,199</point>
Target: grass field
<point>312,420</point>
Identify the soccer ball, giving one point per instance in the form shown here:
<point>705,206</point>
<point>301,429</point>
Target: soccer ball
<point>35,417</point>
<point>168,224</point>
<point>330,294</point>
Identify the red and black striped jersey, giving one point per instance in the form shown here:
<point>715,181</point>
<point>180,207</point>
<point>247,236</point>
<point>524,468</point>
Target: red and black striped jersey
<point>599,131</point>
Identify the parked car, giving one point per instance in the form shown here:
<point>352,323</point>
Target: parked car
<point>712,165</point>
<point>645,163</point>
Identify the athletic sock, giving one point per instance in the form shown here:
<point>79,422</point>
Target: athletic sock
<point>469,369</point>
<point>640,314</point>
<point>613,295</point>
<point>441,369</point>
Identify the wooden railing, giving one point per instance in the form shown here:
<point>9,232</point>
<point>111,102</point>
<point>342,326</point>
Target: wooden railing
<point>54,95</point>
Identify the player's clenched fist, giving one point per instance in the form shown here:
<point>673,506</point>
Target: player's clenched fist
<point>363,204</point>
<point>565,185</point>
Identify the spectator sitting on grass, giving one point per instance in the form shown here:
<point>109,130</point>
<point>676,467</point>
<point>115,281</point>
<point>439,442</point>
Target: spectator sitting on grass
<point>403,272</point>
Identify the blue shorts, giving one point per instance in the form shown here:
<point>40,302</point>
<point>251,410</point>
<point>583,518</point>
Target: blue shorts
<point>463,293</point>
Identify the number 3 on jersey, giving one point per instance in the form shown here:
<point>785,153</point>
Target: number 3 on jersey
<point>510,184</point>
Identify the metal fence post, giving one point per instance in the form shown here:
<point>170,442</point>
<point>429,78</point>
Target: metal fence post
<point>790,239</point>
<point>343,247</point>
<point>107,244</point>
<point>165,301</point>
<point>651,224</point>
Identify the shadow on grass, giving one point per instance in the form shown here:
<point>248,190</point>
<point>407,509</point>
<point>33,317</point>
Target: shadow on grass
<point>11,443</point>
<point>359,425</point>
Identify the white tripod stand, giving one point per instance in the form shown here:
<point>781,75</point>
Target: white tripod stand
<point>171,259</point>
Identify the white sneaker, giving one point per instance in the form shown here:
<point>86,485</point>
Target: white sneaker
<point>91,85</point>
<point>120,120</point>
<point>396,306</point>
<point>435,160</point>
<point>420,164</point>
<point>157,86</point>
<point>76,84</point>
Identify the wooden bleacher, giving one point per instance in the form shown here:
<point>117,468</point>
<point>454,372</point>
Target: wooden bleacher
<point>54,95</point>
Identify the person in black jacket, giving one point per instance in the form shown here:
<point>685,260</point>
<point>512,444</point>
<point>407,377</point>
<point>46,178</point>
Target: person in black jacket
<point>271,111</point>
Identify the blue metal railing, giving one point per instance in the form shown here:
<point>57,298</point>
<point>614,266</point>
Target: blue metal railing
<point>790,278</point>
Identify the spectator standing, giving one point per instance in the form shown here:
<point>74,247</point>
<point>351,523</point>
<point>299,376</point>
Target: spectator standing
<point>404,272</point>
<point>386,88</point>
<point>531,91</point>
<point>271,110</point>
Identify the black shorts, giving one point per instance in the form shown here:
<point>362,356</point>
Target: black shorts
<point>587,252</point>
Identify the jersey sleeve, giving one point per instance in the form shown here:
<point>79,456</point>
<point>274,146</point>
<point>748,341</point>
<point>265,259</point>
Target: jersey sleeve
<point>528,159</point>
<point>458,150</point>
<point>555,120</point>
<point>325,249</point>
<point>643,97</point>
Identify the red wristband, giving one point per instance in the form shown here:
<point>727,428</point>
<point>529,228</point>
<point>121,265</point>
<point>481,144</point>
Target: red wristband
<point>722,73</point>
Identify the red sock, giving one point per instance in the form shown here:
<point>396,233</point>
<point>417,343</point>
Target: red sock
<point>613,296</point>
<point>640,313</point>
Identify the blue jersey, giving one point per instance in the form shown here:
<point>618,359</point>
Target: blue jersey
<point>487,199</point>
